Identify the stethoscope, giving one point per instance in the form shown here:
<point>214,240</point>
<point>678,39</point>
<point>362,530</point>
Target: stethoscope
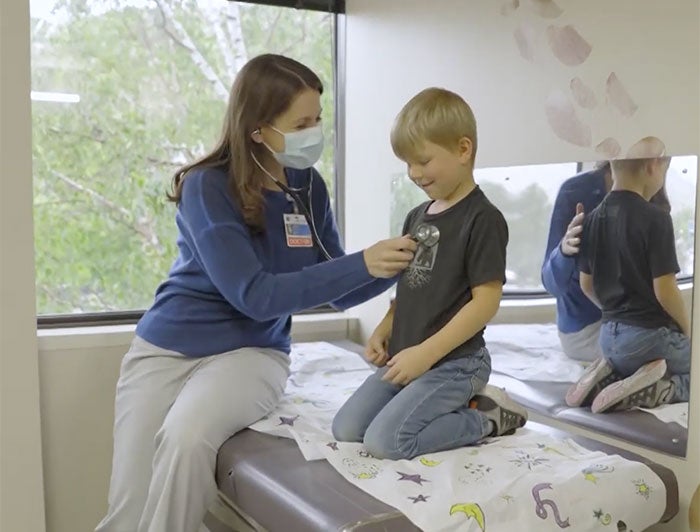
<point>293,195</point>
<point>426,234</point>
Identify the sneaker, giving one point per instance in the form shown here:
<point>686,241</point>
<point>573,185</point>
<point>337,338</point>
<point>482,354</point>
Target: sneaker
<point>596,377</point>
<point>506,414</point>
<point>646,387</point>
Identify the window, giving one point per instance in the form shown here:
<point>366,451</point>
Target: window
<point>526,194</point>
<point>123,92</point>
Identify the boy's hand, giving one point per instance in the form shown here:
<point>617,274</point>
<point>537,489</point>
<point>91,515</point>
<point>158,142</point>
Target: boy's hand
<point>407,365</point>
<point>376,349</point>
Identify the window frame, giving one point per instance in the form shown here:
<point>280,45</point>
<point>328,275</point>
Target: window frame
<point>338,55</point>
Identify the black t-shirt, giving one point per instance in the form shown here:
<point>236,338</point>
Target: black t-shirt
<point>471,251</point>
<point>626,243</point>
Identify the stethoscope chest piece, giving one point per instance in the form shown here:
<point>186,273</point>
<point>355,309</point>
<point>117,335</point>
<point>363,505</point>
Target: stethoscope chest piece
<point>426,234</point>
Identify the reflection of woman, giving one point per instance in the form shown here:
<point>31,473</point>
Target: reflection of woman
<point>578,319</point>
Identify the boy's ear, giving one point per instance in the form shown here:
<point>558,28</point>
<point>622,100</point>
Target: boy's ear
<point>465,149</point>
<point>654,166</point>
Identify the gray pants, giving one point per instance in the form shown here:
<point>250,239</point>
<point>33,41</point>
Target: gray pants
<point>582,345</point>
<point>172,413</point>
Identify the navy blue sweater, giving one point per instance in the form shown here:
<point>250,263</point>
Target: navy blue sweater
<point>229,288</point>
<point>560,275</point>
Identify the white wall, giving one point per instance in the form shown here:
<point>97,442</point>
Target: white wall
<point>21,490</point>
<point>397,47</point>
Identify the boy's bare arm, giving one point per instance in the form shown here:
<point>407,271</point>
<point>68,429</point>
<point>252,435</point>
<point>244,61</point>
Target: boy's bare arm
<point>585,280</point>
<point>377,344</point>
<point>669,296</point>
<point>467,322</point>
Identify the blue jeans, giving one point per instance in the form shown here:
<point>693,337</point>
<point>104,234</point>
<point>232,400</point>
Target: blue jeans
<point>627,348</point>
<point>430,414</point>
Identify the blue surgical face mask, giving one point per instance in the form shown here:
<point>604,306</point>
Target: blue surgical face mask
<point>302,148</point>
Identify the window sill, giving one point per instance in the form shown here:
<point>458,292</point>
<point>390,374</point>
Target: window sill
<point>305,328</point>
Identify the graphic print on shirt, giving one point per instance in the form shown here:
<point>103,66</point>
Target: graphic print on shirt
<point>418,273</point>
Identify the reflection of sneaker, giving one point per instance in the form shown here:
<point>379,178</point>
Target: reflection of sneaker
<point>596,377</point>
<point>495,404</point>
<point>646,387</point>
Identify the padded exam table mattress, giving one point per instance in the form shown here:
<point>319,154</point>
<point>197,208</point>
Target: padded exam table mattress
<point>269,482</point>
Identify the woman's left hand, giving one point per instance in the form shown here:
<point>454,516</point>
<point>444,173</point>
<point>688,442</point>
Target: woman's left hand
<point>407,365</point>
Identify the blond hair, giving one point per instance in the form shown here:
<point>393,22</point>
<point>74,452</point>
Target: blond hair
<point>433,115</point>
<point>641,153</point>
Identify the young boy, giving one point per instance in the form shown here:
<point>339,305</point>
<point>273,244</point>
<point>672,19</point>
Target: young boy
<point>628,268</point>
<point>429,348</point>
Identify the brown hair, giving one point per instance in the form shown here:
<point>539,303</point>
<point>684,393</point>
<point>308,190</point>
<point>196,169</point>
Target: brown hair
<point>434,115</point>
<point>263,89</point>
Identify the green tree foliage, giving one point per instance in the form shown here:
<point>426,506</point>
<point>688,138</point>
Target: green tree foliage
<point>153,79</point>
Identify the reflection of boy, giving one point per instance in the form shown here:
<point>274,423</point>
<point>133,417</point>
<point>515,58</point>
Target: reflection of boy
<point>628,268</point>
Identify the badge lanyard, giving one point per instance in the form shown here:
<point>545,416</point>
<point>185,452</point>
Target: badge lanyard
<point>299,206</point>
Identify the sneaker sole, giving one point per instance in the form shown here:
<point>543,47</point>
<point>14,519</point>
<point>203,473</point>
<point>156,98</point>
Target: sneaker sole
<point>645,376</point>
<point>579,392</point>
<point>500,398</point>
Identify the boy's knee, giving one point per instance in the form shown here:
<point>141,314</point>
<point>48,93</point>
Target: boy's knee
<point>384,445</point>
<point>344,430</point>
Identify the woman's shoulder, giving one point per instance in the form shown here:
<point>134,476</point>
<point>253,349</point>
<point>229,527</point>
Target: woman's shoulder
<point>206,192</point>
<point>205,177</point>
<point>583,182</point>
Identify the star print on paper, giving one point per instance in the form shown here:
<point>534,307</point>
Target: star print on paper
<point>474,473</point>
<point>643,488</point>
<point>525,459</point>
<point>419,498</point>
<point>413,478</point>
<point>549,449</point>
<point>287,420</point>
<point>590,477</point>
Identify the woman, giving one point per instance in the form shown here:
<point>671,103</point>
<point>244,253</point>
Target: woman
<point>210,357</point>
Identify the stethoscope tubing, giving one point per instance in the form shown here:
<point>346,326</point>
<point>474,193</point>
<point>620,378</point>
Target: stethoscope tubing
<point>293,194</point>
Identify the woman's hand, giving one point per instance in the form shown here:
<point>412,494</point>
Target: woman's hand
<point>571,242</point>
<point>388,258</point>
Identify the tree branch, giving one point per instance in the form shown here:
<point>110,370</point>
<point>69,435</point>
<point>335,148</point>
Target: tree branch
<point>181,37</point>
<point>215,18</point>
<point>273,27</point>
<point>235,32</point>
<point>302,37</point>
<point>141,226</point>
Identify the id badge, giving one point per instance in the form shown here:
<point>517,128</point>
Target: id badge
<point>298,231</point>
